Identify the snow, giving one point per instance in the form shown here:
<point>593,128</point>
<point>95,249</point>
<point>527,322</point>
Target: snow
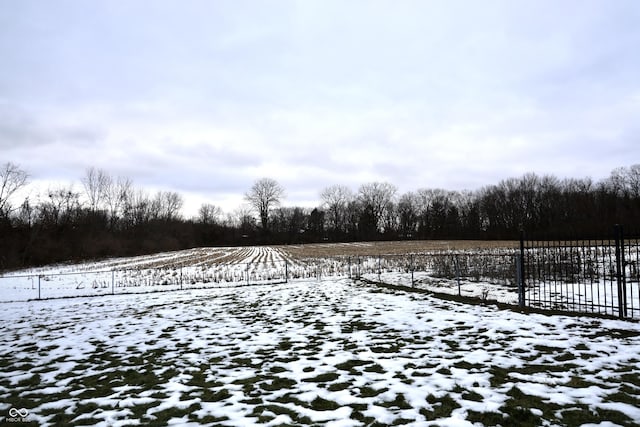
<point>271,354</point>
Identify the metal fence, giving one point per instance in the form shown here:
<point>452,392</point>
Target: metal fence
<point>589,276</point>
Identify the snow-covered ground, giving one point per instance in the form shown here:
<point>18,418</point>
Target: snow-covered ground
<point>329,352</point>
<point>485,274</point>
<point>193,268</point>
<point>482,290</point>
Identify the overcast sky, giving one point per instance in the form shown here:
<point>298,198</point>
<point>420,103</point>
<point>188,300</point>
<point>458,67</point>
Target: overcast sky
<point>205,97</point>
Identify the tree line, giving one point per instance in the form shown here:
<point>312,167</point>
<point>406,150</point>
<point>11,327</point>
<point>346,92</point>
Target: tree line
<point>109,216</point>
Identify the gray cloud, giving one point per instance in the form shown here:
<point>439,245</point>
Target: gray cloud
<point>205,97</point>
<point>19,129</point>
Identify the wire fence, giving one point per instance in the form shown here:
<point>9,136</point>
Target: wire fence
<point>485,275</point>
<point>46,285</point>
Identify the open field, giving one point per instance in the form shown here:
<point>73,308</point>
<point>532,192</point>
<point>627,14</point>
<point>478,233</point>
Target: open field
<point>214,256</point>
<point>484,270</point>
<point>232,266</point>
<point>192,268</point>
<point>311,353</point>
<point>393,248</point>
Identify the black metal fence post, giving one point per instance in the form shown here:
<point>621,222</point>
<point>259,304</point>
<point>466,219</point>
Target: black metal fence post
<point>623,264</point>
<point>620,273</point>
<point>457,266</point>
<point>519,280</point>
<point>411,267</point>
<point>520,272</point>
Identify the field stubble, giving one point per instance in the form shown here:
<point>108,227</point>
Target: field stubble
<point>319,250</point>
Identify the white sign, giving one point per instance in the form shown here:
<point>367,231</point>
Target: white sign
<point>18,415</point>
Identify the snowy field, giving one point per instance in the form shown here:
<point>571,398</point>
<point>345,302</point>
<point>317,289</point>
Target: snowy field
<point>481,290</point>
<point>236,266</point>
<point>484,273</point>
<point>311,352</point>
<point>169,271</point>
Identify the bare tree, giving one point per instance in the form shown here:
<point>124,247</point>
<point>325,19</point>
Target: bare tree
<point>633,180</point>
<point>289,221</point>
<point>27,214</point>
<point>335,199</point>
<point>174,203</point>
<point>117,195</point>
<point>433,205</point>
<point>379,197</point>
<point>616,181</point>
<point>241,219</point>
<point>62,206</point>
<point>408,214</point>
<point>138,208</point>
<point>167,204</point>
<point>96,184</point>
<point>209,214</point>
<point>263,196</point>
<point>12,178</point>
<point>625,181</point>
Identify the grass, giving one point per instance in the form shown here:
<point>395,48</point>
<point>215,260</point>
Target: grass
<point>472,396</point>
<point>323,378</point>
<point>358,325</point>
<point>339,386</point>
<point>279,383</point>
<point>215,396</point>
<point>463,364</point>
<point>260,412</point>
<point>487,418</point>
<point>399,402</point>
<point>320,404</point>
<point>163,417</point>
<point>351,365</point>
<point>441,407</point>
<point>368,392</point>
